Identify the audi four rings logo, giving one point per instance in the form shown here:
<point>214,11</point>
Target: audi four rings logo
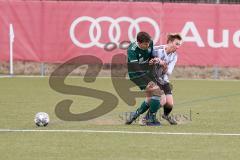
<point>114,24</point>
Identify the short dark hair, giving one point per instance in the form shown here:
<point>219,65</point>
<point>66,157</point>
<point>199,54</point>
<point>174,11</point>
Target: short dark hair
<point>143,37</point>
<point>171,37</point>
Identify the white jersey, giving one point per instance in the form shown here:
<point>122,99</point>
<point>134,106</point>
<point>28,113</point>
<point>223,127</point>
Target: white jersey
<point>170,59</point>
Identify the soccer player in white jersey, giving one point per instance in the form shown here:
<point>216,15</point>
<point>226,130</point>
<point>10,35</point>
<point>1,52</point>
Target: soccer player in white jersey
<point>166,55</point>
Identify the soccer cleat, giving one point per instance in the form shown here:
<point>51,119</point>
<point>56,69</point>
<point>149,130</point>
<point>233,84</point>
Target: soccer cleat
<point>150,120</point>
<point>146,122</point>
<point>128,122</point>
<point>155,123</point>
<point>133,117</point>
<point>170,119</point>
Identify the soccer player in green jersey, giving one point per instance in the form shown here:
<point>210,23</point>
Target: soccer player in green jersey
<point>139,53</point>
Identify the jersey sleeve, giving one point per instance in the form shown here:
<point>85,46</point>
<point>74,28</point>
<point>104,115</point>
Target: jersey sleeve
<point>132,59</point>
<point>171,65</point>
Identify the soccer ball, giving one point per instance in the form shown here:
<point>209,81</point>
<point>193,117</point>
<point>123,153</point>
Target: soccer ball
<point>41,119</point>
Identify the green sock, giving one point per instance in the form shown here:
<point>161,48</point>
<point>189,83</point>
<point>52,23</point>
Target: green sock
<point>154,106</point>
<point>143,108</point>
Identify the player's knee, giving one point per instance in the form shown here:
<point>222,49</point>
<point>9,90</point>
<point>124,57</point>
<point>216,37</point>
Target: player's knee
<point>152,89</point>
<point>169,99</point>
<point>163,101</point>
<point>169,103</point>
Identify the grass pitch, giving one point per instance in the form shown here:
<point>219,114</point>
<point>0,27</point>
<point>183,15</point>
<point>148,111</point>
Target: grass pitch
<point>214,109</point>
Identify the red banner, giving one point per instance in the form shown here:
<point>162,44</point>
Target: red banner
<point>53,31</point>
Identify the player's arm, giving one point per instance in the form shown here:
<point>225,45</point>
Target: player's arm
<point>155,57</point>
<point>132,64</point>
<point>171,65</point>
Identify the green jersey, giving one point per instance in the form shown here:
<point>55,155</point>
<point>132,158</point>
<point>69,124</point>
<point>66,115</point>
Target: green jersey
<point>137,56</point>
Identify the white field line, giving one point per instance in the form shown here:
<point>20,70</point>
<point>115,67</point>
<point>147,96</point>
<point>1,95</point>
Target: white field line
<point>123,132</point>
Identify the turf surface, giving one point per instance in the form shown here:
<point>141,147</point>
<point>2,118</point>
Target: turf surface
<point>214,108</point>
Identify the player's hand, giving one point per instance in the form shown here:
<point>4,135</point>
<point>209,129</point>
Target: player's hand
<point>155,61</point>
<point>161,62</point>
<point>151,62</point>
<point>151,84</point>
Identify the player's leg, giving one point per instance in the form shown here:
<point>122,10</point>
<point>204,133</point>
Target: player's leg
<point>152,102</point>
<point>140,110</point>
<point>142,83</point>
<point>154,105</point>
<point>153,93</point>
<point>168,106</point>
<point>163,100</point>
